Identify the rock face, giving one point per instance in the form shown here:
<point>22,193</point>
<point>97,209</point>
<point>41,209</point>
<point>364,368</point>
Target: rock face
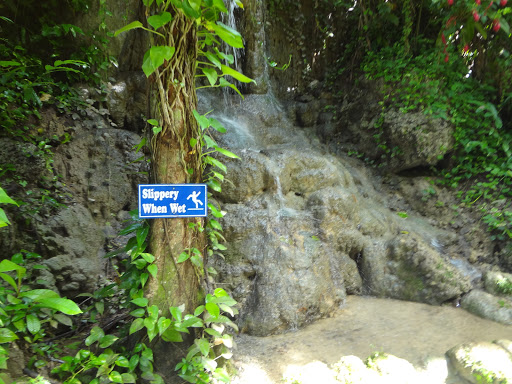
<point>305,228</point>
<point>97,187</point>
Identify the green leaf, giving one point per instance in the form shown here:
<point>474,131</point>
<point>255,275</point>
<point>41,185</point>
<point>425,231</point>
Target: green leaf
<point>38,294</point>
<point>171,335</point>
<point>115,377</point>
<point>95,335</point>
<point>136,325</point>
<point>66,306</point>
<point>139,312</point>
<point>215,185</point>
<point>157,21</point>
<point>183,257</point>
<point>210,143</point>
<point>128,378</point>
<point>217,125</point>
<point>9,280</point>
<point>235,74</point>
<point>163,324</point>
<point>202,120</point>
<point>33,324</point>
<point>134,361</point>
<point>189,11</point>
<point>8,265</point>
<point>141,301</point>
<point>4,199</point>
<point>160,53</point>
<point>6,335</point>
<point>155,57</point>
<point>213,59</point>
<point>224,83</point>
<point>211,74</point>
<point>108,340</point>
<point>203,345</point>
<point>212,161</point>
<point>153,269</point>
<point>219,292</point>
<point>153,122</point>
<point>4,221</point>
<point>141,235</point>
<point>193,142</point>
<point>63,319</point>
<point>9,63</point>
<point>504,25</point>
<point>213,332</point>
<point>176,312</point>
<point>226,153</point>
<point>197,260</point>
<point>132,25</point>
<point>213,309</point>
<point>199,310</point>
<point>228,34</point>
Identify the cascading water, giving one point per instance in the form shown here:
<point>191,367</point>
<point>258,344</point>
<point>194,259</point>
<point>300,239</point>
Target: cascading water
<point>303,225</point>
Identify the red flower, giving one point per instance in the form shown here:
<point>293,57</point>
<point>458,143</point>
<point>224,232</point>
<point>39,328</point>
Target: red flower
<point>476,16</point>
<point>496,25</point>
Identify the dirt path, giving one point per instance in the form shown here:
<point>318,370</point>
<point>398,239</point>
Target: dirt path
<point>416,332</point>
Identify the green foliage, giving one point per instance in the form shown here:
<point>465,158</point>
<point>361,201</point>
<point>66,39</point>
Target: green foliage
<point>117,364</point>
<point>481,168</point>
<point>504,286</point>
<point>25,313</point>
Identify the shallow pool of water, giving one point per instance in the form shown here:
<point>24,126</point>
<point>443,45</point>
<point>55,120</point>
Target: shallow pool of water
<point>416,332</point>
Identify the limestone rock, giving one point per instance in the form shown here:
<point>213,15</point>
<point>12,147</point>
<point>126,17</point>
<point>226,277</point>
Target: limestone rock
<point>407,268</point>
<point>498,283</point>
<point>488,306</point>
<point>422,140</point>
<point>392,368</point>
<point>482,362</point>
<point>76,241</point>
<point>352,370</point>
<point>126,100</point>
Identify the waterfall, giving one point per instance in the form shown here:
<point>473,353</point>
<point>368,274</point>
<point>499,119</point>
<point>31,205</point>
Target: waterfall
<point>230,20</point>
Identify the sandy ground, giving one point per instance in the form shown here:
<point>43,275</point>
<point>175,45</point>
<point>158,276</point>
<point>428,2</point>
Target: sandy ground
<point>416,332</point>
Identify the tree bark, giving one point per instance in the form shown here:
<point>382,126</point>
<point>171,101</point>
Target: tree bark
<point>174,161</point>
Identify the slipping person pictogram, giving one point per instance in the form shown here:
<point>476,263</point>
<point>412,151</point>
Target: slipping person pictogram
<point>194,195</point>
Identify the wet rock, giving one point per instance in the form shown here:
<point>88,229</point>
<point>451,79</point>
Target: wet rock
<point>408,268</point>
<point>249,177</point>
<point>488,306</point>
<point>278,270</point>
<point>482,362</point>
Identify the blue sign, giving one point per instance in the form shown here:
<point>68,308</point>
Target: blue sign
<point>158,201</point>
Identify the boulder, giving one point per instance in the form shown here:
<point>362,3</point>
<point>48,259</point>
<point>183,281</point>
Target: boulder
<point>488,306</point>
<point>482,362</point>
<point>407,268</point>
<point>422,140</point>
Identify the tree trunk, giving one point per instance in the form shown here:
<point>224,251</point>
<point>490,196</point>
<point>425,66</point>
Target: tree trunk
<point>175,161</point>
